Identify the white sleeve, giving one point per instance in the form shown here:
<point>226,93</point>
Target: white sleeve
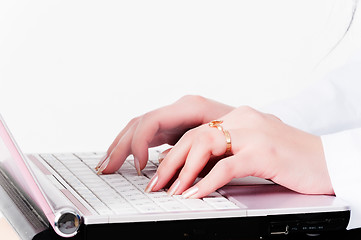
<point>332,109</point>
<point>330,105</point>
<point>343,155</point>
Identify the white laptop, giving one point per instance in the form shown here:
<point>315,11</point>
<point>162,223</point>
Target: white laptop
<point>48,196</point>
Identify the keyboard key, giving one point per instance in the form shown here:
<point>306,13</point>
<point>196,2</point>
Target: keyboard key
<point>123,209</point>
<point>120,206</point>
<point>123,192</point>
<point>49,158</point>
<point>148,208</point>
<point>65,156</point>
<point>104,211</point>
<point>220,203</point>
<point>159,194</point>
<point>89,155</point>
<point>195,204</point>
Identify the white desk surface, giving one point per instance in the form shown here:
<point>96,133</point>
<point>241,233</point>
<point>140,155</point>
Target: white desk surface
<point>6,230</point>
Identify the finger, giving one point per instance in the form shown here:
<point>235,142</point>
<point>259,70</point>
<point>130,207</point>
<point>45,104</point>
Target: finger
<point>207,143</point>
<point>142,131</point>
<point>103,160</point>
<point>144,134</point>
<point>131,123</point>
<point>221,174</point>
<point>158,127</point>
<point>163,154</point>
<point>120,152</point>
<point>210,164</point>
<point>171,163</point>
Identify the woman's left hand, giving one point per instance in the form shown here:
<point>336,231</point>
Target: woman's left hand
<point>262,146</point>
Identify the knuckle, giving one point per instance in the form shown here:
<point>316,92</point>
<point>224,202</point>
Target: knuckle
<point>189,134</point>
<point>134,120</point>
<point>246,109</point>
<point>248,155</point>
<point>227,167</point>
<point>252,114</point>
<point>148,120</point>
<point>205,136</point>
<point>193,99</point>
<point>147,116</point>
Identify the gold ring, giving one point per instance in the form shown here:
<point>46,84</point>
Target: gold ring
<point>217,124</point>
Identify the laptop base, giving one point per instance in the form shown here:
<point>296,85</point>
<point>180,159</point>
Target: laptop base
<point>262,227</point>
<point>300,226</point>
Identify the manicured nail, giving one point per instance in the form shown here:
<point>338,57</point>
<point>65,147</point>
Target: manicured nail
<point>161,157</point>
<point>190,192</point>
<point>137,166</point>
<point>173,188</point>
<point>101,161</point>
<point>163,154</point>
<point>103,166</point>
<point>151,184</point>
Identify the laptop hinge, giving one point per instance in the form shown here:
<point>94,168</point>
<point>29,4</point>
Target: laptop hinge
<point>25,220</point>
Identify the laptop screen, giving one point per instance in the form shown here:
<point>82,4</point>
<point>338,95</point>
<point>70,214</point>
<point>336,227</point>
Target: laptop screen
<point>14,166</point>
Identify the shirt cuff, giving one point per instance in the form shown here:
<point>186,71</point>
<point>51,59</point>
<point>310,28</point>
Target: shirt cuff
<point>343,156</point>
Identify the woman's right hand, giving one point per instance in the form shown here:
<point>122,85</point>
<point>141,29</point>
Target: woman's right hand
<point>163,125</point>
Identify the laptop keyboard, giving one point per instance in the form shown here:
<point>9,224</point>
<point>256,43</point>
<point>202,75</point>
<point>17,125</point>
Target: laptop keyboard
<point>123,191</point>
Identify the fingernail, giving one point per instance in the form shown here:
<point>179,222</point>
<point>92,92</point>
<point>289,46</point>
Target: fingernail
<point>190,192</point>
<point>151,184</point>
<point>137,166</point>
<point>173,188</point>
<point>161,157</point>
<point>101,161</point>
<point>103,166</point>
<point>163,154</point>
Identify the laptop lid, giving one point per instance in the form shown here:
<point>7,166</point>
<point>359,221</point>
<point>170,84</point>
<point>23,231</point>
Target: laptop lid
<point>62,217</point>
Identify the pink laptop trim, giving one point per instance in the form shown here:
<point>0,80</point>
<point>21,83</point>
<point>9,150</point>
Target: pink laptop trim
<point>27,178</point>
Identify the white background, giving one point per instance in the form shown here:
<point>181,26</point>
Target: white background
<point>73,73</point>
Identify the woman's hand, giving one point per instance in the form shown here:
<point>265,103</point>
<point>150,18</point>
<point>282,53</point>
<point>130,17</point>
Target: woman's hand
<point>262,146</point>
<point>164,125</point>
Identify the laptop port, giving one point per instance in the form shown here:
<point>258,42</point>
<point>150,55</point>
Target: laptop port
<point>279,229</point>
